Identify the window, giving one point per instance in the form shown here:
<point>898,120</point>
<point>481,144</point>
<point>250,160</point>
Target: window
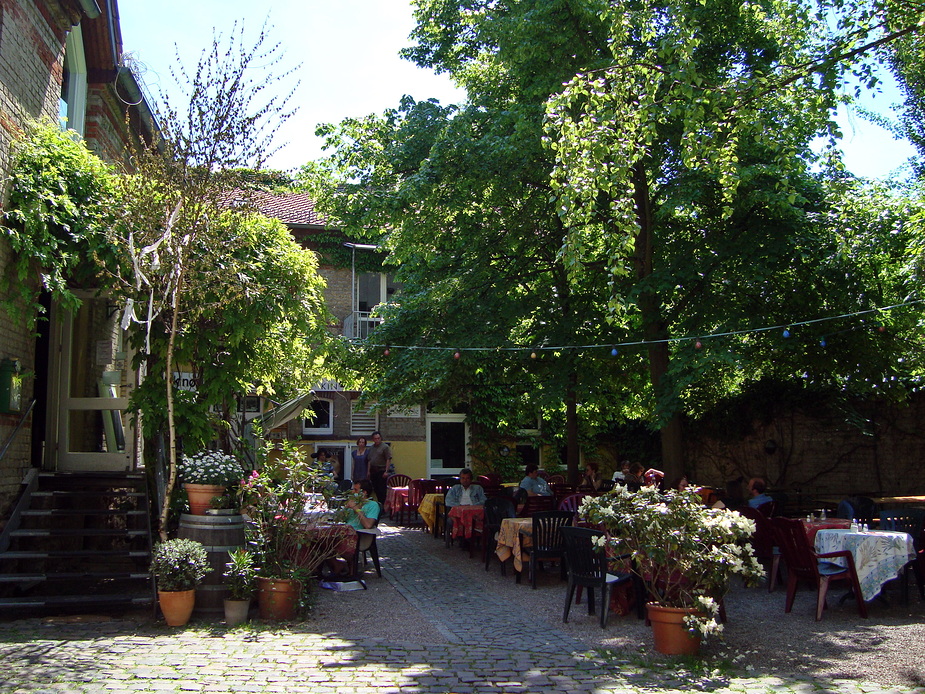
<point>363,421</point>
<point>319,418</point>
<point>72,105</point>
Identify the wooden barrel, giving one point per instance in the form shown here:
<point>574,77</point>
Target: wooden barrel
<point>219,534</point>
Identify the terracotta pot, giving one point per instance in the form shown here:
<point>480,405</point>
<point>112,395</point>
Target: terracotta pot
<point>236,611</point>
<point>177,605</point>
<point>200,495</point>
<point>278,598</point>
<point>671,635</point>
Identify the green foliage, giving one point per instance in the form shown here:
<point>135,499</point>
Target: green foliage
<point>62,201</point>
<point>179,564</point>
<point>241,574</point>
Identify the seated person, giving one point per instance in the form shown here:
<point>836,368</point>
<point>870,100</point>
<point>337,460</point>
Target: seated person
<point>465,493</point>
<point>756,488</point>
<point>364,514</point>
<point>653,477</point>
<point>632,476</point>
<point>592,477</point>
<point>533,484</point>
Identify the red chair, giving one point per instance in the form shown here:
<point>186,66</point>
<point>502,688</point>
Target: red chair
<point>560,490</point>
<point>489,479</point>
<point>535,504</point>
<point>571,502</point>
<point>416,491</point>
<point>764,544</point>
<point>398,480</point>
<point>804,564</point>
<point>556,479</point>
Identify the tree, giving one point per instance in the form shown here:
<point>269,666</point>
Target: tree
<point>224,289</point>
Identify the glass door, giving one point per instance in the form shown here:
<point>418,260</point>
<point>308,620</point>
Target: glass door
<point>447,444</point>
<point>92,381</point>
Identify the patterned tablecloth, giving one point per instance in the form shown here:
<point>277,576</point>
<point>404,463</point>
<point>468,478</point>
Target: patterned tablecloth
<point>393,499</point>
<point>879,555</point>
<point>428,509</point>
<point>814,526</point>
<point>466,519</point>
<point>508,539</point>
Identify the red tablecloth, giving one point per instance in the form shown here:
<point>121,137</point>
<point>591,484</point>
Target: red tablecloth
<point>466,519</point>
<point>814,526</point>
<point>394,496</point>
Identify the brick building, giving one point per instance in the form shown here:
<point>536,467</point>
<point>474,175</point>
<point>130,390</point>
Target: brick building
<point>61,59</point>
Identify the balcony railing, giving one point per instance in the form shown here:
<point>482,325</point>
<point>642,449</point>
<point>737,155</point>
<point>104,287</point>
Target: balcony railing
<point>360,325</point>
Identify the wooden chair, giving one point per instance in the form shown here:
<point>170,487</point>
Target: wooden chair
<point>804,564</point>
<point>546,541</point>
<point>587,567</point>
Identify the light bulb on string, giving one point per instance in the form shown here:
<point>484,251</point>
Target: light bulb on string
<point>822,342</point>
<point>456,355</point>
<point>786,333</point>
<point>533,355</point>
<point>698,344</point>
<point>386,351</point>
<point>614,352</point>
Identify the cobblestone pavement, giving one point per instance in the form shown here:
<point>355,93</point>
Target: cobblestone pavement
<point>523,656</point>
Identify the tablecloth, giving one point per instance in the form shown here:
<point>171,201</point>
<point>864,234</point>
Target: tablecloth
<point>466,520</point>
<point>394,496</point>
<point>879,555</point>
<point>428,509</point>
<point>508,539</point>
<point>814,526</point>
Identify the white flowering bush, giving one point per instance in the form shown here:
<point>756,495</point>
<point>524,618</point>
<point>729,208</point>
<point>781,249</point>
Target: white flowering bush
<point>685,553</point>
<point>211,467</point>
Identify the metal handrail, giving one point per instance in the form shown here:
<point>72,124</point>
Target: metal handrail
<point>22,419</point>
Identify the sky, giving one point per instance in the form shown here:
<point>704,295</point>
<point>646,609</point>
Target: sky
<point>346,55</point>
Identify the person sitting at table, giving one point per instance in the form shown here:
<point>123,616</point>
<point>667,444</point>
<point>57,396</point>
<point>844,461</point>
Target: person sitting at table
<point>756,489</point>
<point>653,478</point>
<point>362,514</point>
<point>465,493</point>
<point>533,484</point>
<point>592,477</point>
<point>632,477</point>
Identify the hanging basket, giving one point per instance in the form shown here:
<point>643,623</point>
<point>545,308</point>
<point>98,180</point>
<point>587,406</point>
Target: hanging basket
<point>672,636</point>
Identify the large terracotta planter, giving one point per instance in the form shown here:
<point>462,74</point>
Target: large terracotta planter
<point>278,598</point>
<point>671,635</point>
<point>200,495</point>
<point>236,611</point>
<point>177,605</point>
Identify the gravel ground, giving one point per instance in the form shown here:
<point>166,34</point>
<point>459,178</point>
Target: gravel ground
<point>886,648</point>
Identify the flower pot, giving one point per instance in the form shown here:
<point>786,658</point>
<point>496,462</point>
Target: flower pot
<point>236,611</point>
<point>671,634</point>
<point>177,605</point>
<point>200,495</point>
<point>278,598</point>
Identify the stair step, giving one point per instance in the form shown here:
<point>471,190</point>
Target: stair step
<point>39,512</point>
<point>65,493</point>
<point>80,601</point>
<point>77,532</point>
<point>73,554</point>
<point>73,576</point>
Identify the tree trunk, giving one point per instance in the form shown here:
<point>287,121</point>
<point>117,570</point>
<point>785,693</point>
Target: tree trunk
<point>571,429</point>
<point>654,328</point>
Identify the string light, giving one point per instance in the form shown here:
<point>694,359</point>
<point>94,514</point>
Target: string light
<point>697,339</point>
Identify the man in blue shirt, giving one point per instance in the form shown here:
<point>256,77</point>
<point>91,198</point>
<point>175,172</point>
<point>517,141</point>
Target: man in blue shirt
<point>533,484</point>
<point>465,493</point>
<point>756,487</point>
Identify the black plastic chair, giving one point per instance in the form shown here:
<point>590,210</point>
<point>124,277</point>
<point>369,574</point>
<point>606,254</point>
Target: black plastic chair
<point>587,566</point>
<point>546,541</point>
<point>496,510</point>
<point>912,521</point>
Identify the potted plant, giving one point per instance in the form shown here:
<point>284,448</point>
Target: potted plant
<point>241,580</point>
<point>207,475</point>
<point>685,554</point>
<point>286,502</point>
<point>178,566</point>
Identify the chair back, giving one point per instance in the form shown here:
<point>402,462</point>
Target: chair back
<point>556,479</point>
<point>586,562</point>
<point>493,490</point>
<point>543,474</point>
<point>794,545</point>
<point>417,489</point>
<point>560,490</point>
<point>906,520</point>
<point>710,496</point>
<point>606,485</point>
<point>398,480</point>
<point>489,479</point>
<point>546,525</point>
<point>571,502</point>
<point>861,508</point>
<point>537,504</point>
<point>767,508</point>
<point>763,540</point>
<point>497,509</point>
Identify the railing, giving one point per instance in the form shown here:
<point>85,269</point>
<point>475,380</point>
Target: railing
<point>22,419</point>
<point>360,324</point>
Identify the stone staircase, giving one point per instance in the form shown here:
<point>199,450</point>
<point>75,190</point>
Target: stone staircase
<point>77,542</point>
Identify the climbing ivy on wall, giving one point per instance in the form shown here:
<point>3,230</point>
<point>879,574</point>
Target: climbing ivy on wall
<point>61,201</point>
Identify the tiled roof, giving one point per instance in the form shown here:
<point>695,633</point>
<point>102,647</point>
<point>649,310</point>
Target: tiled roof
<point>289,208</point>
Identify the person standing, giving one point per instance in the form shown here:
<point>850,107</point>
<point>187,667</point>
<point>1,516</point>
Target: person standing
<point>380,455</point>
<point>360,456</point>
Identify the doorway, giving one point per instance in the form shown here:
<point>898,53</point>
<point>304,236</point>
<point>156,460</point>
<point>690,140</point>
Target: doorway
<point>447,444</point>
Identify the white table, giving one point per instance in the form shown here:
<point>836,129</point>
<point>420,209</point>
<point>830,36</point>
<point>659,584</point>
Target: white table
<point>879,555</point>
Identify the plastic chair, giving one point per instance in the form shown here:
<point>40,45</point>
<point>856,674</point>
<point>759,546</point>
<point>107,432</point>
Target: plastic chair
<point>496,510</point>
<point>764,543</point>
<point>861,508</point>
<point>912,521</point>
<point>571,502</point>
<point>803,563</point>
<point>398,480</point>
<point>606,486</point>
<point>546,541</point>
<point>366,544</point>
<point>537,504</point>
<point>556,479</point>
<point>767,509</point>
<point>543,474</point>
<point>416,491</point>
<point>587,567</point>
